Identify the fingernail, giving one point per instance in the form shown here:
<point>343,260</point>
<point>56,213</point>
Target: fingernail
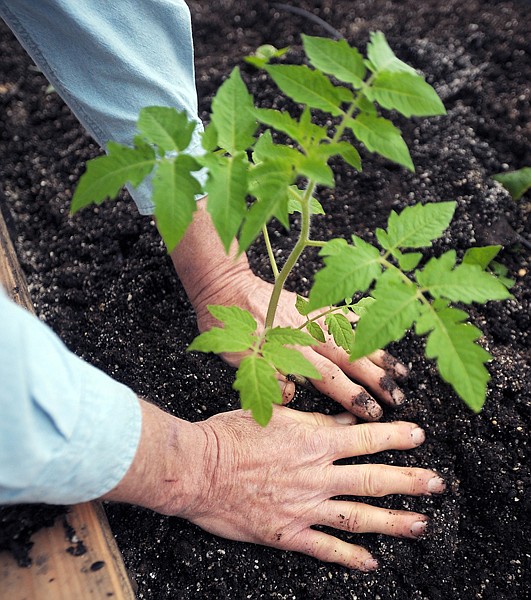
<point>371,564</point>
<point>436,485</point>
<point>418,529</point>
<point>388,384</point>
<point>401,371</point>
<point>418,436</point>
<point>345,418</point>
<point>398,396</point>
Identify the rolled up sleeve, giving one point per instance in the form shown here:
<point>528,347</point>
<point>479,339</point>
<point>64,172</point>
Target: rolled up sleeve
<point>108,60</point>
<point>68,432</point>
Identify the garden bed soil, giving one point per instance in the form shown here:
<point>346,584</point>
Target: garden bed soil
<point>102,280</point>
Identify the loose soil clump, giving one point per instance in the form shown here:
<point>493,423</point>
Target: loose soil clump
<point>103,281</point>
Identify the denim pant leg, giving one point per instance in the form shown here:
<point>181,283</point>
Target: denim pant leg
<point>109,59</point>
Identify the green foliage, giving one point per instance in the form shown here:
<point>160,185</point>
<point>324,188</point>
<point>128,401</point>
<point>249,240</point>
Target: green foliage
<point>253,178</point>
<point>517,183</point>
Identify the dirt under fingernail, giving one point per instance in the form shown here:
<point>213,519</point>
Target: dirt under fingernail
<point>367,404</point>
<point>389,385</point>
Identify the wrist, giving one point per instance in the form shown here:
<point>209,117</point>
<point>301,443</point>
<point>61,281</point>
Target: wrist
<point>167,474</point>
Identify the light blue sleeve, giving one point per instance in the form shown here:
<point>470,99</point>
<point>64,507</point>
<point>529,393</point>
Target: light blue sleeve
<point>109,59</point>
<point>68,432</point>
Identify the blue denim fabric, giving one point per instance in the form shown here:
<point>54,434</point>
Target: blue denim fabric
<point>110,58</point>
<point>68,432</point>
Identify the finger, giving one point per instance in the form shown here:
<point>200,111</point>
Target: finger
<point>320,420</point>
<point>370,438</point>
<point>390,364</point>
<point>342,389</point>
<point>376,481</point>
<point>287,388</point>
<point>365,371</point>
<point>355,517</point>
<point>328,548</point>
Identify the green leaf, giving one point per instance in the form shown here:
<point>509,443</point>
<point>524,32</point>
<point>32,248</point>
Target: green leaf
<point>407,93</point>
<point>289,361</point>
<point>264,54</point>
<point>106,175</point>
<point>416,226</point>
<point>333,246</point>
<point>308,87</point>
<point>347,152</point>
<point>387,319</point>
<point>381,136</point>
<point>289,336</point>
<point>209,138</point>
<point>360,307</point>
<point>266,149</point>
<point>301,304</point>
<point>481,256</point>
<point>409,261</point>
<point>501,271</point>
<point>314,329</point>
<point>340,328</point>
<point>350,270</point>
<point>336,58</point>
<point>268,182</point>
<point>382,58</point>
<point>166,127</point>
<point>465,283</point>
<point>294,205</point>
<point>233,114</point>
<point>220,340</point>
<point>227,190</point>
<point>233,317</point>
<point>315,168</point>
<point>174,191</point>
<point>258,387</point>
<point>459,359</point>
<point>517,183</point>
<point>303,132</point>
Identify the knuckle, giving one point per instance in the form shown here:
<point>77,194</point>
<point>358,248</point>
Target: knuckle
<point>352,520</point>
<point>368,438</point>
<point>373,482</point>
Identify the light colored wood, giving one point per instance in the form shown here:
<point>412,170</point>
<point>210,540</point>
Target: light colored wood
<point>56,574</point>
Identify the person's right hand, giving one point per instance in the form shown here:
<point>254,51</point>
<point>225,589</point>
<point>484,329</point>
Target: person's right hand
<point>270,485</point>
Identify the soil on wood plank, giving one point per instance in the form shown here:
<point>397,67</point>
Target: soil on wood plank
<point>103,282</point>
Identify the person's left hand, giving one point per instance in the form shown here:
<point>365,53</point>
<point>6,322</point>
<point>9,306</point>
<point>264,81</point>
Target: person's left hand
<point>212,277</point>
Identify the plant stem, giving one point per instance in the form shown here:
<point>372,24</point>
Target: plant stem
<point>331,310</point>
<point>272,260</point>
<point>294,256</point>
<point>315,243</point>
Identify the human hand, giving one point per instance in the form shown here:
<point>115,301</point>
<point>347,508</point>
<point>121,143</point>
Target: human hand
<point>211,277</point>
<point>271,485</point>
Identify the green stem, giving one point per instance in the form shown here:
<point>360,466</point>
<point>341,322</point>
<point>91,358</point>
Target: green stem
<point>315,243</point>
<point>294,256</point>
<point>270,251</point>
<point>321,315</point>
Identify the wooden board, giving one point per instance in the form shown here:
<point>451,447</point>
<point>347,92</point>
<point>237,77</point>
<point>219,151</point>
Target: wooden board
<point>77,558</point>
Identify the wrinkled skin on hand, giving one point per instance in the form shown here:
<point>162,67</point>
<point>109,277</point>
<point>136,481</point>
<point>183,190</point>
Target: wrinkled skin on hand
<point>270,485</point>
<point>212,277</point>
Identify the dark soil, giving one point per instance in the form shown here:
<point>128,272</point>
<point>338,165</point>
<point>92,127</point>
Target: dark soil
<point>103,282</point>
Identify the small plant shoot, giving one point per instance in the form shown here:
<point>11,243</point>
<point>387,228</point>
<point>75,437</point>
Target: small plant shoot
<point>517,183</point>
<point>252,179</point>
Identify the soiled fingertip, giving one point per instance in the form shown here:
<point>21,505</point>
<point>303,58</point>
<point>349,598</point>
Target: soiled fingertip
<point>366,407</point>
<point>288,391</point>
<point>371,564</point>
